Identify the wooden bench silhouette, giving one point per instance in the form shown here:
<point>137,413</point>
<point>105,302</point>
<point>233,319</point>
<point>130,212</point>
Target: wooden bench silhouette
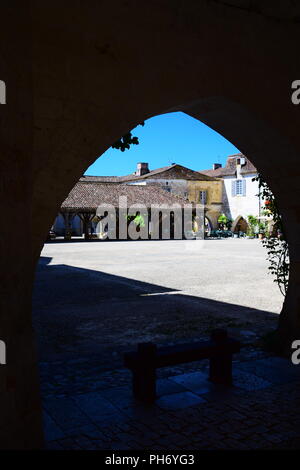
<point>144,362</point>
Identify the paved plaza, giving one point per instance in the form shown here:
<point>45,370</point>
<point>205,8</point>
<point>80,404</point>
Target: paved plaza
<point>105,296</point>
<point>95,300</point>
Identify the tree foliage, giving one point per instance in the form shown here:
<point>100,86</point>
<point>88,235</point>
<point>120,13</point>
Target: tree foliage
<point>137,219</point>
<point>126,141</point>
<point>224,221</point>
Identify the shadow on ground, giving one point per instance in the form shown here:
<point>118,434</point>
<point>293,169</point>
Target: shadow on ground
<point>85,320</point>
<point>80,311</point>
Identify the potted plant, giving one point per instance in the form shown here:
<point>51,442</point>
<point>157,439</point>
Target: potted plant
<point>68,234</point>
<point>262,230</point>
<point>252,226</point>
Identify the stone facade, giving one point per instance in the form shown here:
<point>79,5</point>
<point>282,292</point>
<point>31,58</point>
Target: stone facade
<point>195,186</point>
<point>86,208</point>
<point>240,193</point>
<point>210,193</point>
<point>229,190</point>
<point>176,180</point>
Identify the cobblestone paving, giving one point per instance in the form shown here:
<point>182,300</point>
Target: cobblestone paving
<point>86,408</point>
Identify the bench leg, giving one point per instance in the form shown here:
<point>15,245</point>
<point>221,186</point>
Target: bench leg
<point>144,384</point>
<point>220,369</point>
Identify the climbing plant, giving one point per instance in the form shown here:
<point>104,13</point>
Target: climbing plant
<point>275,242</point>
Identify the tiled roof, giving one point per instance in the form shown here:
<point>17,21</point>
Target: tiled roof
<point>230,168</point>
<point>100,179</point>
<point>90,194</point>
<point>174,171</point>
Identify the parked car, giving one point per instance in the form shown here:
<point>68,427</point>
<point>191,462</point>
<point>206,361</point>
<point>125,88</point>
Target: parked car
<point>221,233</point>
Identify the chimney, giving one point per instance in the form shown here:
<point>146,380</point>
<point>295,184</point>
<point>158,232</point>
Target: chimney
<point>141,169</point>
<point>216,166</point>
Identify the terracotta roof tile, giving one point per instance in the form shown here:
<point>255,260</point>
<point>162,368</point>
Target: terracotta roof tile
<point>174,171</point>
<point>90,194</point>
<point>100,179</point>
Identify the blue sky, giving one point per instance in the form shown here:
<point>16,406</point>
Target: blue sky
<point>165,139</point>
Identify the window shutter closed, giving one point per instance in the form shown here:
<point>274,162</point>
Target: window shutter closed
<point>202,197</point>
<point>244,187</point>
<point>233,188</point>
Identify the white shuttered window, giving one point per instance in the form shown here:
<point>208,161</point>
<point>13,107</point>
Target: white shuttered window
<point>239,187</point>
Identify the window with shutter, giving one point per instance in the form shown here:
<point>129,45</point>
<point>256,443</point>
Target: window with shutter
<point>202,197</point>
<point>239,187</point>
<point>233,188</point>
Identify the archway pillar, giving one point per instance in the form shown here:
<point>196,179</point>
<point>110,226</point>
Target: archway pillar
<point>289,321</point>
<point>20,405</point>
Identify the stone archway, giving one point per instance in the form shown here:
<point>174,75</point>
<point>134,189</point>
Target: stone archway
<point>78,78</point>
<point>208,225</point>
<point>239,225</point>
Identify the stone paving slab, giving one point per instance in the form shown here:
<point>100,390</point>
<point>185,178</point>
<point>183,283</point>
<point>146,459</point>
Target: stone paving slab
<point>275,370</point>
<point>65,412</point>
<point>177,401</point>
<point>194,381</point>
<point>52,431</point>
<point>190,413</point>
<point>95,406</point>
<point>248,381</point>
<point>168,386</point>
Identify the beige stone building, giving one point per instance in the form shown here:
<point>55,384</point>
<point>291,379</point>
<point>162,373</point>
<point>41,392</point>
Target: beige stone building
<point>209,192</point>
<point>177,180</point>
<point>181,181</point>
